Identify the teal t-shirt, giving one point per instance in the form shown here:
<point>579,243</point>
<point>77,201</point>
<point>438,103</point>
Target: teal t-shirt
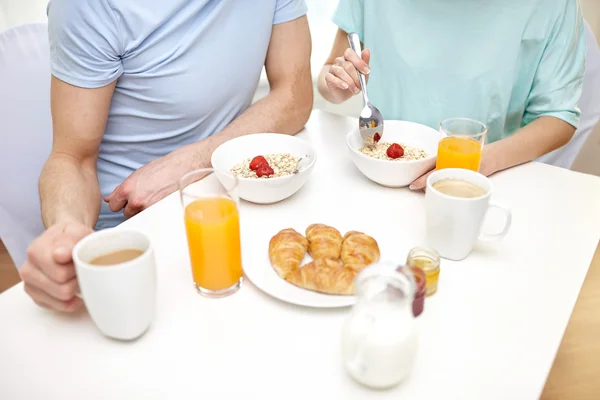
<point>503,62</point>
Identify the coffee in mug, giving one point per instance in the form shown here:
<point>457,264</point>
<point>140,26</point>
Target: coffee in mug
<point>116,273</point>
<point>117,257</point>
<point>458,188</point>
<point>456,203</point>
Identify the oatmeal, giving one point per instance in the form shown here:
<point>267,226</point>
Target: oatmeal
<point>397,151</point>
<point>267,166</point>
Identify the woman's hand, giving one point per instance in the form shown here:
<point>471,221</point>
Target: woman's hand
<point>341,77</point>
<point>486,168</point>
<point>421,182</point>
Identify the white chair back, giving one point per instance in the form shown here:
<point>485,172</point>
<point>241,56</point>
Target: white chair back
<point>25,133</point>
<point>589,103</point>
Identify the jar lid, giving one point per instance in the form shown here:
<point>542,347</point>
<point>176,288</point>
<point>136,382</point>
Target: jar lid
<point>422,252</point>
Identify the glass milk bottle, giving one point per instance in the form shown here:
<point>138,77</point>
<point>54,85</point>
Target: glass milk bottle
<point>379,339</point>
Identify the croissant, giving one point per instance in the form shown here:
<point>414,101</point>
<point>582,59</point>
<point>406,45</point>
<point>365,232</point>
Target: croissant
<point>286,251</point>
<point>324,275</point>
<point>359,250</point>
<point>323,241</point>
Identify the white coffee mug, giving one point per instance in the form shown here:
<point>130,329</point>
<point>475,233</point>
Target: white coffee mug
<point>120,298</point>
<point>454,223</point>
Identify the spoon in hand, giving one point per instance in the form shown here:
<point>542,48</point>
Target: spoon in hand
<point>370,122</point>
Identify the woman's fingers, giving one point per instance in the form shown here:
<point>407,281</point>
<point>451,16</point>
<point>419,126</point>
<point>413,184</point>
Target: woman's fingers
<point>421,182</point>
<point>358,63</point>
<point>335,83</point>
<point>343,74</point>
<point>366,56</point>
<point>353,74</point>
<point>342,77</point>
<point>350,71</point>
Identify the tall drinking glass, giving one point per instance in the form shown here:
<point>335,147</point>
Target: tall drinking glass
<point>213,231</point>
<point>463,146</point>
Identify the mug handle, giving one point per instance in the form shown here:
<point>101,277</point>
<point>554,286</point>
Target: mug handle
<point>498,236</point>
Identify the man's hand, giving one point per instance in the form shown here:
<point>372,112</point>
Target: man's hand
<point>48,273</point>
<point>153,182</point>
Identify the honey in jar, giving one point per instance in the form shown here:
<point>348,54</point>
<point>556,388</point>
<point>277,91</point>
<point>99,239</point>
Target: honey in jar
<point>428,260</point>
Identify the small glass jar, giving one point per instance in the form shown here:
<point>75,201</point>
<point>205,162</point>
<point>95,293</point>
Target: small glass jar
<point>379,338</point>
<point>428,260</point>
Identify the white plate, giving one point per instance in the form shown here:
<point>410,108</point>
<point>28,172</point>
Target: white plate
<point>258,269</point>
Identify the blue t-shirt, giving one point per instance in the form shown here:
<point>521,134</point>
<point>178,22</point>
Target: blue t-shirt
<point>503,62</point>
<point>184,70</point>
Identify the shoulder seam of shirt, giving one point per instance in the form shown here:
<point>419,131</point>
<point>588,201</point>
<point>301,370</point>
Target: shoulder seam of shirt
<point>120,26</point>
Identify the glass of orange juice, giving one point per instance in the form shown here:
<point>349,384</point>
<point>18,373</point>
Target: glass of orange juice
<point>463,145</point>
<point>211,215</point>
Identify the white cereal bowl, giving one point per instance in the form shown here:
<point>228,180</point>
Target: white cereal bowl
<point>264,190</point>
<point>393,173</point>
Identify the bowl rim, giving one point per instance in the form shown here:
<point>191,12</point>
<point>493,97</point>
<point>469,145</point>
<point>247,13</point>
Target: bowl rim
<point>278,178</point>
<point>377,160</point>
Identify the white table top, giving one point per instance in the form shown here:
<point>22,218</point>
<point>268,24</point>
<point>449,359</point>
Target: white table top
<point>491,331</point>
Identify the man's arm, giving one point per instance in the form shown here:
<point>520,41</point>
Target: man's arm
<point>285,109</point>
<point>288,105</point>
<point>68,184</point>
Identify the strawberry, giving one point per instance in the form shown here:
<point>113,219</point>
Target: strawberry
<point>264,170</point>
<point>395,151</point>
<point>376,137</point>
<point>257,162</point>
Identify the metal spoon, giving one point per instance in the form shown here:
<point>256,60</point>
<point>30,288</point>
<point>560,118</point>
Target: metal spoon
<point>370,122</point>
<point>298,165</point>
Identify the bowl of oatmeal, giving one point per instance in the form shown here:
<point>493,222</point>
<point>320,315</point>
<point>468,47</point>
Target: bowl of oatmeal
<point>269,167</point>
<point>406,151</point>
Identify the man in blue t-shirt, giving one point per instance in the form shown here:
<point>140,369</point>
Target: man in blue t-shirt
<point>142,92</point>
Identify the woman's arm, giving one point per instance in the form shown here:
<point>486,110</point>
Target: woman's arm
<point>542,136</point>
<point>551,114</point>
<point>338,80</point>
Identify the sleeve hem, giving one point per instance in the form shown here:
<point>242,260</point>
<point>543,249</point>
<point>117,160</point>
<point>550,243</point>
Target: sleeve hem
<point>348,28</point>
<point>282,17</point>
<point>566,116</point>
<point>88,83</point>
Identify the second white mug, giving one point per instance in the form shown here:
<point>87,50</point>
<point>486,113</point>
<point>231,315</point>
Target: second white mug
<point>454,222</point>
<point>121,297</point>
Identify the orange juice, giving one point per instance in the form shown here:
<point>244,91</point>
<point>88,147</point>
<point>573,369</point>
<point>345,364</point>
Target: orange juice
<point>457,152</point>
<point>213,232</point>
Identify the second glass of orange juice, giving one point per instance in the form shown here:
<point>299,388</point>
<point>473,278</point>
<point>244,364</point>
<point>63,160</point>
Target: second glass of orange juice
<point>210,208</point>
<point>463,145</point>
